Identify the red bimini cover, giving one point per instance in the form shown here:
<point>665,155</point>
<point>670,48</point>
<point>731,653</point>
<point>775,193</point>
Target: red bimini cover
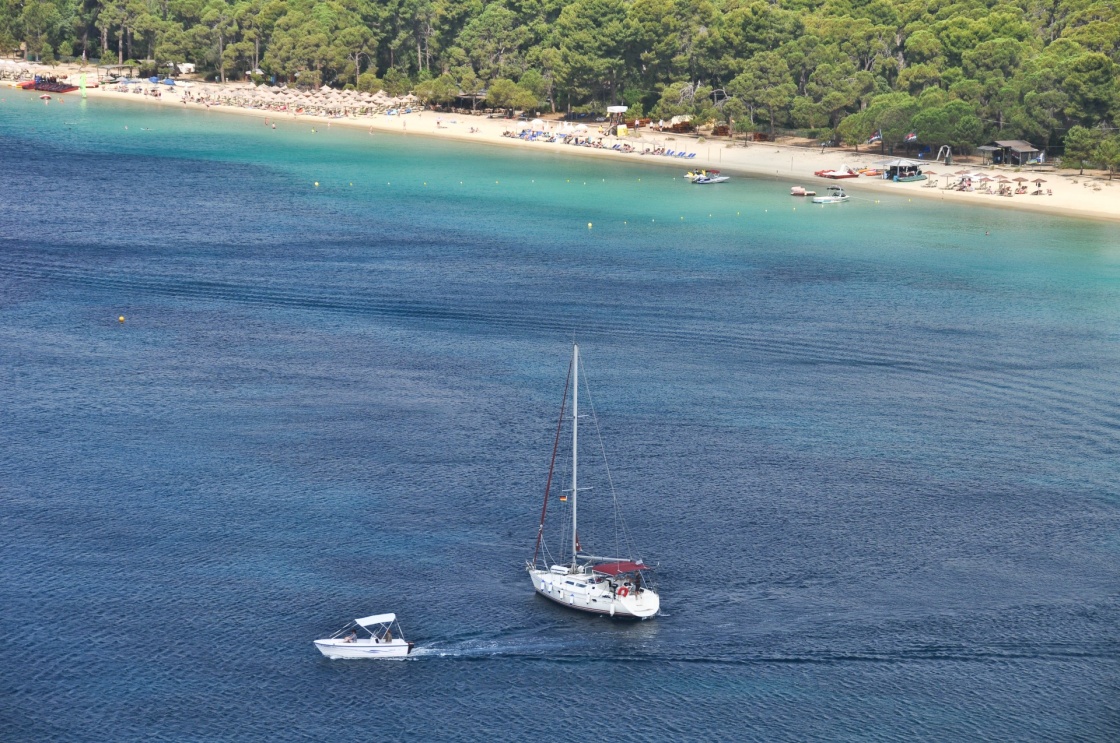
<point>615,568</point>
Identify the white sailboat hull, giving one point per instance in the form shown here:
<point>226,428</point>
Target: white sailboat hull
<point>576,592</point>
<point>363,648</point>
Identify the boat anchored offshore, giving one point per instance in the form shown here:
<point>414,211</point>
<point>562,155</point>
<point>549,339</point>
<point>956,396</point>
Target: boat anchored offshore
<point>380,643</point>
<point>835,195</point>
<point>615,586</point>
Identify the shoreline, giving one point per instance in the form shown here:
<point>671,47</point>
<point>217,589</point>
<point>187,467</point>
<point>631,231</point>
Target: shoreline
<point>1072,195</point>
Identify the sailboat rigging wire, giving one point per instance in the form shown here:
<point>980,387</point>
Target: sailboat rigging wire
<point>552,464</point>
<point>619,520</point>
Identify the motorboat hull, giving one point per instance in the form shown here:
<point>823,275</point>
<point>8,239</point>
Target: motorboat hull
<point>830,199</point>
<point>577,592</point>
<point>364,648</point>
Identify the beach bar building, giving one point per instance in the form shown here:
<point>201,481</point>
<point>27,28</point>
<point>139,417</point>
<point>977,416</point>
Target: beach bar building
<point>1011,152</point>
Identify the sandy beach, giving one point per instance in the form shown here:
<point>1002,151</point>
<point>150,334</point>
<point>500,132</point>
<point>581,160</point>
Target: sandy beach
<point>1091,196</point>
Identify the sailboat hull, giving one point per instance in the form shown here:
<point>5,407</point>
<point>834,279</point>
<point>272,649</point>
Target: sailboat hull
<point>581,593</point>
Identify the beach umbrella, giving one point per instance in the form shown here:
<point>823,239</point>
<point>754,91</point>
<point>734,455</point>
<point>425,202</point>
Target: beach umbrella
<point>1020,179</point>
<point>537,124</point>
<point>1039,180</point>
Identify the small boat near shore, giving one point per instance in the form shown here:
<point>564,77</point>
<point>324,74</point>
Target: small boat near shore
<point>379,641</point>
<point>835,195</point>
<point>800,191</point>
<point>702,177</point>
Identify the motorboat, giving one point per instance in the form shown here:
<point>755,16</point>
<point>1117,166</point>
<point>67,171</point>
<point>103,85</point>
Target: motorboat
<point>368,637</point>
<point>703,176</point>
<point>835,195</point>
<point>615,586</point>
<point>800,191</point>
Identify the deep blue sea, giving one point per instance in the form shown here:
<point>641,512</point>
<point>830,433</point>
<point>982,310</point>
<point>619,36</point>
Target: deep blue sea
<point>874,449</point>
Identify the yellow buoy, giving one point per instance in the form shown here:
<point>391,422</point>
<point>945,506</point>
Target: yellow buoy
<point>120,319</point>
<point>588,225</point>
<point>316,184</point>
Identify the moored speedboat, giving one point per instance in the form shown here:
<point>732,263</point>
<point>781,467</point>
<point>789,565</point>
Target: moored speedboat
<point>703,176</point>
<point>379,641</point>
<point>835,195</point>
<point>614,586</point>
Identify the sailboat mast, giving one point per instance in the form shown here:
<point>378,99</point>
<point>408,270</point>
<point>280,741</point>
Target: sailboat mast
<point>575,447</point>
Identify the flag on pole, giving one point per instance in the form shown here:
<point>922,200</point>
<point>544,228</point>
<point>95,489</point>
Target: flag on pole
<point>876,137</point>
<point>563,499</point>
<point>912,137</point>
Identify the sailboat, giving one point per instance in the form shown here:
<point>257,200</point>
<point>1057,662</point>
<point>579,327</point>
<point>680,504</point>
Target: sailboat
<point>615,586</point>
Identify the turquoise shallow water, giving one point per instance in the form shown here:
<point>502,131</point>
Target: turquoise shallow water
<point>873,449</point>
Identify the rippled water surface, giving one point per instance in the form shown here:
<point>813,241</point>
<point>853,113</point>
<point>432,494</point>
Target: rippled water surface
<point>873,449</point>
